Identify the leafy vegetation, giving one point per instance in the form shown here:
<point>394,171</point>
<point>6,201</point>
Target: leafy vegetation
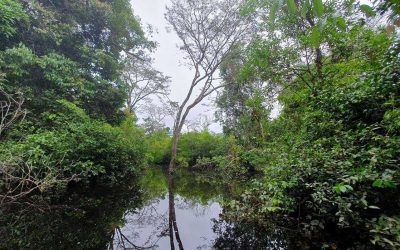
<point>86,217</point>
<point>309,103</point>
<point>330,159</point>
<point>193,146</point>
<point>62,95</point>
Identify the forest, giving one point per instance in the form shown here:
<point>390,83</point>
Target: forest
<point>306,92</point>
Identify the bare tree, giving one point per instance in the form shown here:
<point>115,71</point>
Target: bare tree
<point>208,29</point>
<point>199,125</point>
<point>11,110</point>
<point>155,115</point>
<point>143,81</point>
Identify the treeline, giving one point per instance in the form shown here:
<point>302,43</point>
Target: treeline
<point>62,94</point>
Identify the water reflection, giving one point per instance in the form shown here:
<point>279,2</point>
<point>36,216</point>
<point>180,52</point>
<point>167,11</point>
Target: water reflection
<point>173,221</point>
<point>173,226</point>
<point>84,218</point>
<point>183,211</point>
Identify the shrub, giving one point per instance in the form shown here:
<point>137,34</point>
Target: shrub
<point>195,145</point>
<point>158,147</point>
<point>83,149</point>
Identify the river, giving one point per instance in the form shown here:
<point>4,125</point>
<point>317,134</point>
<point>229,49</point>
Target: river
<point>155,211</point>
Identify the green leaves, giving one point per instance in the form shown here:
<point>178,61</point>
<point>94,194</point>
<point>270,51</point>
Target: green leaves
<point>17,61</point>
<point>384,183</point>
<point>305,8</point>
<point>11,12</point>
<point>291,6</point>
<point>338,139</point>
<point>315,37</point>
<point>341,23</point>
<point>249,7</point>
<point>386,180</point>
<point>318,7</point>
<point>197,145</point>
<point>342,188</point>
<point>367,10</point>
<point>386,232</point>
<point>80,147</point>
<point>274,8</point>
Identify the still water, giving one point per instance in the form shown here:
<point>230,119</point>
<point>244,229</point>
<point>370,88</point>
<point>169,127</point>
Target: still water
<point>149,226</point>
<point>185,212</point>
<point>156,211</point>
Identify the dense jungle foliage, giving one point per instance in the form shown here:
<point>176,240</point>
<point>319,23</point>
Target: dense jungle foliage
<point>310,112</point>
<point>330,160</point>
<point>62,95</point>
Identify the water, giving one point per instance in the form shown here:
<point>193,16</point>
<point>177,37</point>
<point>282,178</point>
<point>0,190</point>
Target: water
<point>134,215</point>
<point>157,211</point>
<point>185,212</point>
<point>148,227</point>
<point>180,213</point>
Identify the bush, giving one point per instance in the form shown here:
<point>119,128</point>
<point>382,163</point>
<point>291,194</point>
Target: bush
<point>83,149</point>
<point>158,147</point>
<point>195,145</point>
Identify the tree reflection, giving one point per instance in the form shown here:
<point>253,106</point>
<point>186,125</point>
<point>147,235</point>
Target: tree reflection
<point>173,226</point>
<point>126,218</point>
<point>241,235</point>
<point>87,219</point>
<point>120,241</point>
<point>151,218</point>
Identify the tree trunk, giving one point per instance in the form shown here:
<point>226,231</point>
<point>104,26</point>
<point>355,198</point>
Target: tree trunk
<point>174,149</point>
<point>180,121</point>
<point>173,226</point>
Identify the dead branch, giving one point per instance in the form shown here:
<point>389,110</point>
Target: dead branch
<point>11,109</point>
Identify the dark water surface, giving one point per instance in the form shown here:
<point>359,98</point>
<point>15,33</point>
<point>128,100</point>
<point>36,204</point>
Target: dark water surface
<point>180,212</point>
<point>156,212</point>
<point>188,216</point>
<point>149,226</point>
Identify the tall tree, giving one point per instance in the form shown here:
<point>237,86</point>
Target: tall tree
<point>208,30</point>
<point>156,114</point>
<point>143,82</point>
<point>69,50</point>
<point>244,103</point>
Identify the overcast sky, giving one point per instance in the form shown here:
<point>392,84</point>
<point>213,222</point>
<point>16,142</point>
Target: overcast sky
<point>168,57</point>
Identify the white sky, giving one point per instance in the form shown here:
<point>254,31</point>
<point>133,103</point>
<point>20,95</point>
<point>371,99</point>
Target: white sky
<point>168,58</point>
